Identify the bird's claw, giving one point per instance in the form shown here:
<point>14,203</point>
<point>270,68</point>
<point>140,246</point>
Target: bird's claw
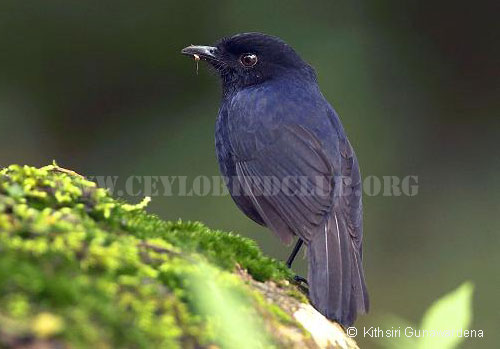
<point>300,279</point>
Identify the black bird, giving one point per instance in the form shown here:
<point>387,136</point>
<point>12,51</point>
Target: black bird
<point>275,130</point>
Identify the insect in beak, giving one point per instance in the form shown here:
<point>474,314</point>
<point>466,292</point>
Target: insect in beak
<point>197,60</point>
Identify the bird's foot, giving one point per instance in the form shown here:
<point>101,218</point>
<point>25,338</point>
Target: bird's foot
<point>301,284</point>
<point>300,280</point>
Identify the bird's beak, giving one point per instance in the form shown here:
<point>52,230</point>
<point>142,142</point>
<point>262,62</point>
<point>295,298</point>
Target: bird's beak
<point>207,53</point>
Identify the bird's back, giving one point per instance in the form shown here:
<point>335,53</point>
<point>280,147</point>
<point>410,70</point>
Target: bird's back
<point>286,129</point>
<point>252,119</point>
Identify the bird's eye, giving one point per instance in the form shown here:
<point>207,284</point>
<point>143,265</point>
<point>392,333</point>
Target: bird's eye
<point>248,59</point>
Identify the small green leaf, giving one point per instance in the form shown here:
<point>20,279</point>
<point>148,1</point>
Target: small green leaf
<point>228,310</point>
<point>398,339</point>
<point>451,314</point>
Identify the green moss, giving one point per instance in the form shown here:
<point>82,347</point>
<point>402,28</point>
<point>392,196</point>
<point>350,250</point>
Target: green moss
<point>281,315</point>
<point>78,266</point>
<point>295,293</point>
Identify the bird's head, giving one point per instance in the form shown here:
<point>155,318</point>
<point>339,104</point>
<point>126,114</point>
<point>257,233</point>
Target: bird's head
<point>250,59</point>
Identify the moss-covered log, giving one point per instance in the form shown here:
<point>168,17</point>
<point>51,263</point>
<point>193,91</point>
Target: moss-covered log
<point>81,269</point>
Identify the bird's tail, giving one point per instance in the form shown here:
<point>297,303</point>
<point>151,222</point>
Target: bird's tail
<point>336,281</point>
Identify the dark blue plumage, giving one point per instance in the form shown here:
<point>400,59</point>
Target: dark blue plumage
<point>275,126</point>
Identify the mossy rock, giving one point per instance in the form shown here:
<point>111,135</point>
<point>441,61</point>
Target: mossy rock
<point>81,269</point>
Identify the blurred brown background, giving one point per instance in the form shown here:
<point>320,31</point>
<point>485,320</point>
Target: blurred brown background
<point>101,88</point>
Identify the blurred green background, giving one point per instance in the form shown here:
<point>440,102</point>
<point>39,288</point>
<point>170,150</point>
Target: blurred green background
<point>100,86</point>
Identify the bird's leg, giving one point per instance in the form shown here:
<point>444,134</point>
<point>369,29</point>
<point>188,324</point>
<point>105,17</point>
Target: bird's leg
<point>290,260</point>
<point>295,250</point>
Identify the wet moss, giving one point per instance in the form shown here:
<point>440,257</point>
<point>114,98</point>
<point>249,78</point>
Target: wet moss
<point>80,267</point>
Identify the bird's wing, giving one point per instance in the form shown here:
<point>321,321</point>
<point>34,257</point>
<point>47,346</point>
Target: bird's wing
<point>290,180</point>
<point>351,194</point>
